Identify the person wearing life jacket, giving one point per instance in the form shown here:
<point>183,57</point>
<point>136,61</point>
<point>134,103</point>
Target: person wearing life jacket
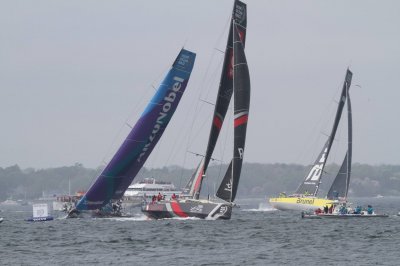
<point>357,210</point>
<point>370,210</point>
<point>173,197</point>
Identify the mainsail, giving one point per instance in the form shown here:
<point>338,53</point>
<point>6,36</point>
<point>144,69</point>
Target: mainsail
<point>225,91</point>
<point>130,157</point>
<point>241,88</point>
<point>311,183</point>
<point>340,185</point>
<point>239,15</point>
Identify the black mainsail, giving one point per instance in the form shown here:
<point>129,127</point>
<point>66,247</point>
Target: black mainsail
<point>241,87</point>
<point>340,186</point>
<point>311,183</point>
<point>225,91</point>
<point>226,83</point>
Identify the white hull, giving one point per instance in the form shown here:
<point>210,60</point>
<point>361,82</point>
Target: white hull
<point>287,206</point>
<point>342,216</point>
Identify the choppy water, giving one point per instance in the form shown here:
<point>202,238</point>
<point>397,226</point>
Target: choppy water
<point>256,235</point>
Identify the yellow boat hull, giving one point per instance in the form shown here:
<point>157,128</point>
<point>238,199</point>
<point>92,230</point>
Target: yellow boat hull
<point>299,203</point>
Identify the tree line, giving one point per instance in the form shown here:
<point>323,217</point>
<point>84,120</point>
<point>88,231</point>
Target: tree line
<point>257,180</point>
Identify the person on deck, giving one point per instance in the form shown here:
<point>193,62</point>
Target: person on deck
<point>326,209</point>
<point>330,210</point>
<point>159,197</point>
<point>173,197</point>
<point>370,210</point>
<point>343,209</point>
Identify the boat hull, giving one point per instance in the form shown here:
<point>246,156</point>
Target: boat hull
<point>187,208</point>
<point>40,219</point>
<point>341,216</point>
<point>94,214</point>
<point>299,203</point>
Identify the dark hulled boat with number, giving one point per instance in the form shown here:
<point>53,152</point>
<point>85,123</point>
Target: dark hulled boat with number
<point>235,80</point>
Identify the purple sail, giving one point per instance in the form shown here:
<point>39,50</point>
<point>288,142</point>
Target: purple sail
<point>134,151</point>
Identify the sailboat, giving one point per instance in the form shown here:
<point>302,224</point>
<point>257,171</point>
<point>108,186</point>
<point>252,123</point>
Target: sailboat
<point>339,207</point>
<point>306,197</point>
<point>103,197</point>
<point>235,80</point>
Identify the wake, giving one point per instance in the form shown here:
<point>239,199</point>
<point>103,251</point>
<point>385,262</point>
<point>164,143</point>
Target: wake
<point>262,207</point>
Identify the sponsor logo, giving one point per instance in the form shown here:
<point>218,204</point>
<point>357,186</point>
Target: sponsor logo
<point>198,208</point>
<point>166,107</point>
<point>241,151</point>
<point>228,186</point>
<point>223,209</point>
<point>183,60</point>
<point>316,171</point>
<point>240,13</point>
<point>305,201</point>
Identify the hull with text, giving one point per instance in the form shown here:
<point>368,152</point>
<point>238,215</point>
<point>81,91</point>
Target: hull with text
<point>202,209</point>
<point>299,203</point>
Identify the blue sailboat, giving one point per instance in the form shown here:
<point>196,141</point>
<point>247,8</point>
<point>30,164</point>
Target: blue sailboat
<point>119,173</point>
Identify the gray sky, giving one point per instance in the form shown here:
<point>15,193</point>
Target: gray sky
<point>73,72</point>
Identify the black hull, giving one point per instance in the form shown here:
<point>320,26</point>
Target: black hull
<point>187,208</point>
<point>93,214</point>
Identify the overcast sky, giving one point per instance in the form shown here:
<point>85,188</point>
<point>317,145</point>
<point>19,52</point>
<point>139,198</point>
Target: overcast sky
<point>73,73</point>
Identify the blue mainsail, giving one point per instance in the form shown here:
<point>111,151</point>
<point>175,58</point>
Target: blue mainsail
<point>130,157</point>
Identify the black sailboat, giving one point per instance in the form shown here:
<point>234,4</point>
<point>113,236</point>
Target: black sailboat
<point>235,80</point>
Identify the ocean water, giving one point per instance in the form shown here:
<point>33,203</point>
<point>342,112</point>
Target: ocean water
<point>256,235</point>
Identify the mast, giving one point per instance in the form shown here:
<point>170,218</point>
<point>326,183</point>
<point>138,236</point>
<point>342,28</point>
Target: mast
<point>311,183</point>
<point>134,151</point>
<point>241,87</point>
<point>340,185</point>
